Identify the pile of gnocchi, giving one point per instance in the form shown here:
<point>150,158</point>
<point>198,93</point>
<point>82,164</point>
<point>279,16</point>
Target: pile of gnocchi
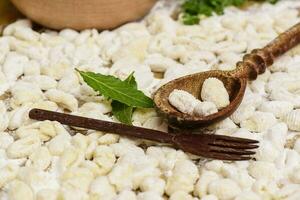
<point>43,160</point>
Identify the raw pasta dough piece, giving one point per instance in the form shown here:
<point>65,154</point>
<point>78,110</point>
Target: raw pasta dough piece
<point>187,103</point>
<point>213,90</point>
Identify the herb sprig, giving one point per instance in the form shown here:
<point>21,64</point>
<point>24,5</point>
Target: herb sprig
<point>124,94</point>
<point>194,10</point>
<point>122,111</point>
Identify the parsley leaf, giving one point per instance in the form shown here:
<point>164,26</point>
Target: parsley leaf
<point>122,111</point>
<point>194,10</point>
<point>131,80</point>
<point>116,89</point>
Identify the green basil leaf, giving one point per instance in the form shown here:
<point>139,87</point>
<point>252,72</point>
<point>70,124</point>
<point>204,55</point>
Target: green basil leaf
<point>122,112</point>
<point>131,80</point>
<point>117,89</point>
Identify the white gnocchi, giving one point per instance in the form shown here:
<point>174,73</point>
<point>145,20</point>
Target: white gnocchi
<point>187,103</point>
<point>213,90</point>
<point>292,119</point>
<point>65,100</point>
<point>48,161</point>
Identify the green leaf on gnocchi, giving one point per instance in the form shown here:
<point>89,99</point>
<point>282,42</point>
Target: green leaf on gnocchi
<point>116,89</point>
<point>122,111</point>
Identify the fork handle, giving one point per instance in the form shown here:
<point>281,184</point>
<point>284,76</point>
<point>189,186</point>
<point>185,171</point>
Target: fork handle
<point>99,125</point>
<point>258,60</point>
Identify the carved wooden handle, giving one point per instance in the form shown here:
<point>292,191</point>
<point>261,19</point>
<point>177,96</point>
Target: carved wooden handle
<point>258,60</point>
<point>106,126</point>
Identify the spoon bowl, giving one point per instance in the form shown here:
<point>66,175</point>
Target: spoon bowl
<point>193,84</point>
<point>235,82</point>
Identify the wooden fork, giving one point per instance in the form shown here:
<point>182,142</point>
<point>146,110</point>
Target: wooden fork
<point>205,145</point>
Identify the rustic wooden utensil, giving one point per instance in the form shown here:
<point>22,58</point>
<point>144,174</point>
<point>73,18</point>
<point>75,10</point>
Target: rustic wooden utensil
<point>235,81</point>
<point>83,14</point>
<point>205,145</point>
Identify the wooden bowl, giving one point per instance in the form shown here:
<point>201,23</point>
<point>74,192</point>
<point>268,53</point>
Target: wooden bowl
<point>83,14</point>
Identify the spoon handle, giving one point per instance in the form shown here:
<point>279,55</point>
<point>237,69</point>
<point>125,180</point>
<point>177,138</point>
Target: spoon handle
<point>258,60</point>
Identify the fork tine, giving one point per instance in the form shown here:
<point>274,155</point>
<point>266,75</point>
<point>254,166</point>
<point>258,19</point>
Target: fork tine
<point>229,157</point>
<point>235,145</point>
<point>230,151</point>
<point>234,139</point>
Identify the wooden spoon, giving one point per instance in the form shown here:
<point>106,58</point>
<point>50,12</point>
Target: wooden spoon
<point>235,82</point>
